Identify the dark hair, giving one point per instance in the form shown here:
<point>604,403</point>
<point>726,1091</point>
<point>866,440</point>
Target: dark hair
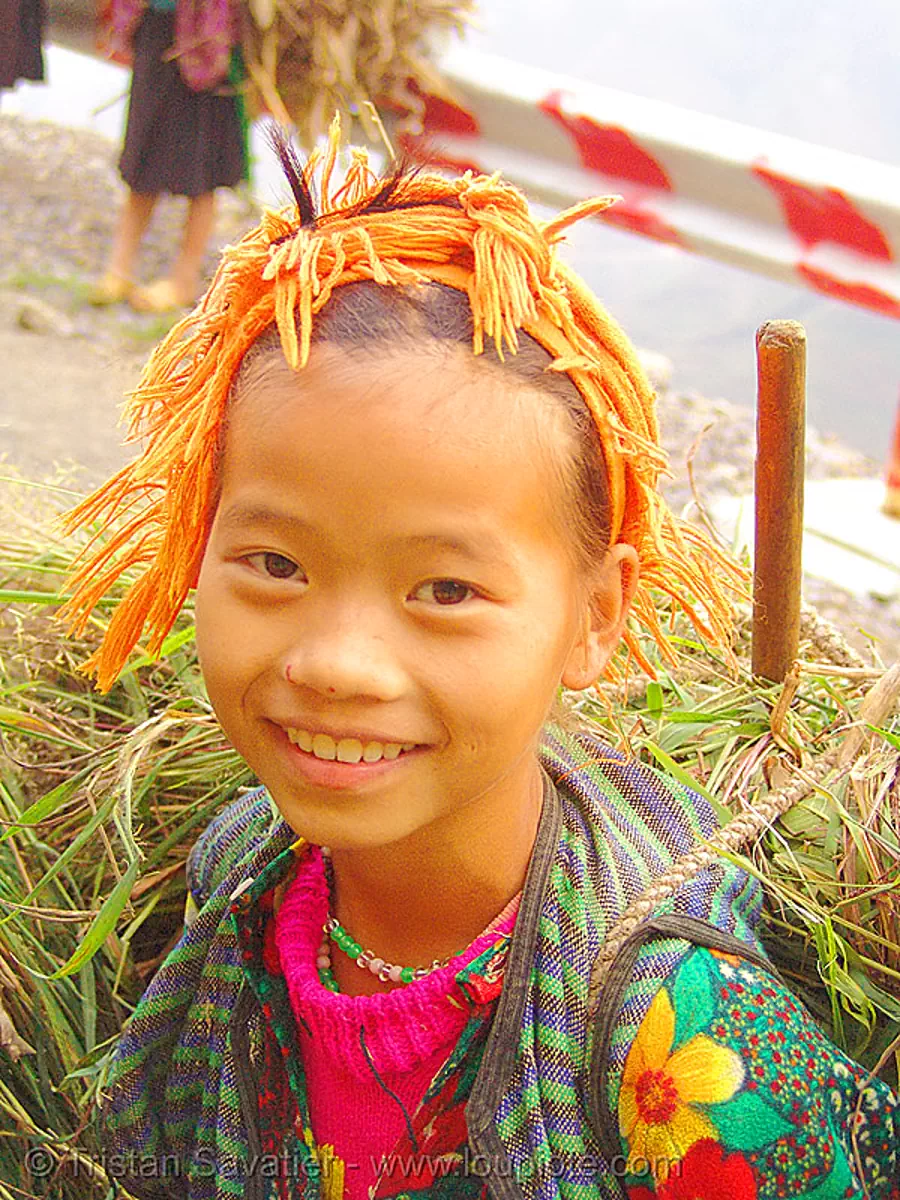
<point>366,316</point>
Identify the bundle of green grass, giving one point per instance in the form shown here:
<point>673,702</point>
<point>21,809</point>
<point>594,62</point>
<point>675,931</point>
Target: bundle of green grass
<point>101,798</point>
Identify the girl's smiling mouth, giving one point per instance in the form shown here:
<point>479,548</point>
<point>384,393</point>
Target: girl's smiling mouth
<point>357,763</point>
<point>347,750</point>
<point>344,763</point>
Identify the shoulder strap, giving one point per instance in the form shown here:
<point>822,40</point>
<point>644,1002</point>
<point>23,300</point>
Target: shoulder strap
<point>231,836</point>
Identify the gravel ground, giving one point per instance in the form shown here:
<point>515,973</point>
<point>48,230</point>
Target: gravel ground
<point>67,365</point>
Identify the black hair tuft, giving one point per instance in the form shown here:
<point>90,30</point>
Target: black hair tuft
<point>400,170</point>
<point>403,170</point>
<point>385,200</point>
<point>293,173</point>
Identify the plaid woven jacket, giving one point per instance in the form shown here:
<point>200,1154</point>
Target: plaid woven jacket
<point>556,1108</point>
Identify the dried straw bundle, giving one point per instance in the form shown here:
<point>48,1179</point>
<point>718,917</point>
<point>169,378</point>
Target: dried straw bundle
<point>307,60</point>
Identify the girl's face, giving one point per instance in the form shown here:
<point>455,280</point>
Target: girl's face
<point>385,608</point>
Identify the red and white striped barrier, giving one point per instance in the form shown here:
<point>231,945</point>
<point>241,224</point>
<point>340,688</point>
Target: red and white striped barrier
<point>801,213</point>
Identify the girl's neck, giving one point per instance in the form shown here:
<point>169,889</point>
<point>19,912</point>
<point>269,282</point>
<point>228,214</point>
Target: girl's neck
<point>416,901</point>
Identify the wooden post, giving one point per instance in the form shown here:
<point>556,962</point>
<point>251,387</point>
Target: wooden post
<point>780,451</point>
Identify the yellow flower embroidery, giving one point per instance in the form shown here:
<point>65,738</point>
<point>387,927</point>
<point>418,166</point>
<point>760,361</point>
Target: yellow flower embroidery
<point>332,1185</point>
<point>656,1116</point>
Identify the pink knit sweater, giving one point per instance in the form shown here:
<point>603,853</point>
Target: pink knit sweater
<point>368,1060</point>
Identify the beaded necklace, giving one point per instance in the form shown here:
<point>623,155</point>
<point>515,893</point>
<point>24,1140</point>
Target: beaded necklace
<point>367,960</point>
<point>333,931</point>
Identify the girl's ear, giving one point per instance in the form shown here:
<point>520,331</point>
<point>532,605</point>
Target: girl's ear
<point>604,618</point>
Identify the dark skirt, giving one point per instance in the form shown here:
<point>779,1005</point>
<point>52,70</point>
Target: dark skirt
<point>176,140</point>
<point>22,25</point>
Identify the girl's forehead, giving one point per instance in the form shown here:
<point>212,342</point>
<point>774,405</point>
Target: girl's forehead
<point>439,387</point>
<point>399,432</point>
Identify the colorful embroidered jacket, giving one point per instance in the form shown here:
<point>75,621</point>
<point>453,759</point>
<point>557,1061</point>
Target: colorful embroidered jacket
<point>699,1075</point>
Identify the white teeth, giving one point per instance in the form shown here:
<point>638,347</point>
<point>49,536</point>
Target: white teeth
<point>324,747</point>
<point>347,750</point>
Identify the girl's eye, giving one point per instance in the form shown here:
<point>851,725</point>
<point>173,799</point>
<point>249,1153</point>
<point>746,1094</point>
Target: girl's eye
<point>276,566</point>
<point>444,591</point>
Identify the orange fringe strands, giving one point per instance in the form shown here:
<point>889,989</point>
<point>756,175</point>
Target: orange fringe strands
<point>488,246</point>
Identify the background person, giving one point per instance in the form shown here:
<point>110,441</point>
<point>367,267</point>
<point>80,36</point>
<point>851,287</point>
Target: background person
<point>21,41</point>
<point>185,136</point>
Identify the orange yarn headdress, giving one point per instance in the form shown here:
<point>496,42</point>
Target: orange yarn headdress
<point>474,234</point>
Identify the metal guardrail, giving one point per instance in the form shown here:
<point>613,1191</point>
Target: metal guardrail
<point>801,213</point>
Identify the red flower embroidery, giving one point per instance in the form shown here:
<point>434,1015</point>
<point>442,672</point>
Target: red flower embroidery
<point>270,956</point>
<point>656,1096</point>
<point>484,987</point>
<point>705,1173</point>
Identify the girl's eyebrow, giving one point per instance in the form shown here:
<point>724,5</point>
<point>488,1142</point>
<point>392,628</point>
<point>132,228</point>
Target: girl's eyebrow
<point>243,516</point>
<point>479,544</point>
<point>476,545</point>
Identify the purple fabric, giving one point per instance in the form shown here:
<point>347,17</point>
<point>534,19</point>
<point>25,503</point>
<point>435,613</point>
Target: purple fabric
<point>205,32</point>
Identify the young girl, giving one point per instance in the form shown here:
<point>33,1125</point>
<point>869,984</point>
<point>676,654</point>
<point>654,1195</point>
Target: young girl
<point>389,981</point>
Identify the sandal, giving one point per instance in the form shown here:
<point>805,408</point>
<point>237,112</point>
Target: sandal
<point>111,288</point>
<point>162,296</point>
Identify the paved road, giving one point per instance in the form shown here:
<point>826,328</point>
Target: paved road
<point>59,398</point>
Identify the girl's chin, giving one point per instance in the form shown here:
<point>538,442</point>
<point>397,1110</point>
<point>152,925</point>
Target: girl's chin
<point>350,827</point>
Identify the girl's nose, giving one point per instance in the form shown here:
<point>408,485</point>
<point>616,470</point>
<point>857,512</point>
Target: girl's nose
<point>345,660</point>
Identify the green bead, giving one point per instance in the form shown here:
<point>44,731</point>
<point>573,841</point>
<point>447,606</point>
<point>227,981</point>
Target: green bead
<point>407,975</point>
<point>354,949</point>
<point>327,979</point>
